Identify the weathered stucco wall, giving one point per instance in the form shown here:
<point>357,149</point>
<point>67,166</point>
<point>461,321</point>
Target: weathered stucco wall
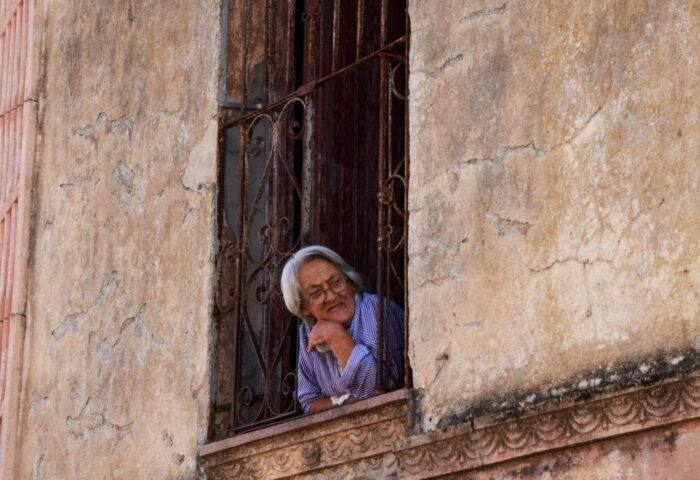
<point>555,217</point>
<point>115,381</point>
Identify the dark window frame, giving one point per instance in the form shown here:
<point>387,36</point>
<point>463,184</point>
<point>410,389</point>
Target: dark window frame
<point>306,58</point>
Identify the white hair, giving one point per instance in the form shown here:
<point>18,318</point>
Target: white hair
<point>291,288</point>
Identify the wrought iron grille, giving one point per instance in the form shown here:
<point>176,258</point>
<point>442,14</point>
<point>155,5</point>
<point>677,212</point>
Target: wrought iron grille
<point>313,150</point>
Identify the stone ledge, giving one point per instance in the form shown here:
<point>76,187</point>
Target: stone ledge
<point>373,441</point>
<point>464,447</point>
<point>349,433</point>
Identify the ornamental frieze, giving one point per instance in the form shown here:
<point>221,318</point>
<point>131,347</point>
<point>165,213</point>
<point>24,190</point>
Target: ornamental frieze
<point>378,446</point>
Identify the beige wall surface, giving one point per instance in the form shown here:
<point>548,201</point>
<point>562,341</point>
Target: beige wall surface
<point>554,205</point>
<point>115,381</point>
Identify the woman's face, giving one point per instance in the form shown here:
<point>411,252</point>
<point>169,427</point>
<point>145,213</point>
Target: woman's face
<point>319,274</point>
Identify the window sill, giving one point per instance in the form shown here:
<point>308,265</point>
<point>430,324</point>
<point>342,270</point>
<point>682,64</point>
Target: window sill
<point>307,422</point>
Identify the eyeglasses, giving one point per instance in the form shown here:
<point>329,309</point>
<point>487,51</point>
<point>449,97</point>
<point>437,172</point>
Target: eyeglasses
<point>336,285</point>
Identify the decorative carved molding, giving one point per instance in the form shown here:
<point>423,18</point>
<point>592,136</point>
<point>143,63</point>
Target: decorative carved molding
<point>363,439</point>
<point>593,420</point>
<point>375,445</point>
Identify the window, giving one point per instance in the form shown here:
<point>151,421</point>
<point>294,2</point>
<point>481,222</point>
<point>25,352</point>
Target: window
<point>313,151</point>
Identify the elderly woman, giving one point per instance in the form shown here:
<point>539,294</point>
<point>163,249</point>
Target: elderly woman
<point>338,337</point>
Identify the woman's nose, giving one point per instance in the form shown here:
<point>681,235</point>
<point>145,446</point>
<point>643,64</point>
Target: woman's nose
<point>330,292</point>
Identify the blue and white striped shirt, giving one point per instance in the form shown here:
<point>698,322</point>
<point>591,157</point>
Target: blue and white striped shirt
<point>318,372</point>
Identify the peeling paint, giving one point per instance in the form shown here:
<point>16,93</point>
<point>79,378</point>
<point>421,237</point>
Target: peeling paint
<point>201,165</point>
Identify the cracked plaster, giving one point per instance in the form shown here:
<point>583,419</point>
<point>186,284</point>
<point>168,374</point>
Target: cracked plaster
<point>553,202</point>
<point>119,309</point>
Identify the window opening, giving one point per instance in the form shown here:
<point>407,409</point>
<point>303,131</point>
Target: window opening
<point>313,151</point>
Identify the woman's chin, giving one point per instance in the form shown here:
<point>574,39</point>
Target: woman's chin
<point>340,316</point>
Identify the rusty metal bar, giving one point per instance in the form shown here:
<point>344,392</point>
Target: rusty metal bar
<point>267,55</point>
<point>384,22</point>
<point>307,173</point>
<point>291,35</point>
<point>312,10</point>
<point>238,279</point>
<point>335,50</point>
<point>383,77</point>
<point>244,68</point>
<point>223,50</point>
<point>408,380</point>
<point>387,204</point>
<point>360,29</point>
<point>313,85</point>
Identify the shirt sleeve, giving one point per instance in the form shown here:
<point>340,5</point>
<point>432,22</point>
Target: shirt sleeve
<point>308,389</point>
<point>360,374</point>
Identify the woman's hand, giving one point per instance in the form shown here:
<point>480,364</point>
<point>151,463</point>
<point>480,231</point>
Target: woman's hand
<point>324,331</point>
<point>336,336</point>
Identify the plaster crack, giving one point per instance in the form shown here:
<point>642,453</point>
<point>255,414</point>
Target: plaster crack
<point>72,320</point>
<point>169,113</point>
<point>508,226</point>
<point>511,149</point>
<point>76,180</point>
<point>451,60</point>
<point>38,464</point>
<point>578,131</point>
<point>582,261</point>
<point>503,154</point>
<point>441,361</point>
<point>130,13</point>
<point>87,422</point>
<point>190,210</point>
<point>108,350</point>
<point>635,218</point>
<point>485,13</point>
